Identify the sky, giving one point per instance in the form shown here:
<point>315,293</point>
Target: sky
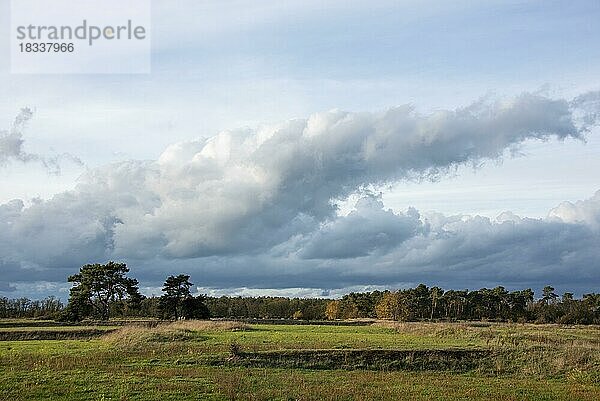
<point>311,148</point>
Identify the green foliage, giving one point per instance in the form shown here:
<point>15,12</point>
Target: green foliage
<point>266,307</point>
<point>485,304</point>
<point>195,308</point>
<point>177,301</point>
<point>97,288</point>
<point>49,307</point>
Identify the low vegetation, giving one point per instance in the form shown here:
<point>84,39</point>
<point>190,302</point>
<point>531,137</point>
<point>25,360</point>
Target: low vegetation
<point>184,330</point>
<point>422,343</point>
<point>230,360</point>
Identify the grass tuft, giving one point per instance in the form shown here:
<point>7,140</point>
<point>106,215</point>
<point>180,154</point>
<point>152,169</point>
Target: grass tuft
<point>184,330</point>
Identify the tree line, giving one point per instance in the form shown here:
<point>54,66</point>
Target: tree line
<point>103,291</point>
<point>496,304</point>
<point>27,308</point>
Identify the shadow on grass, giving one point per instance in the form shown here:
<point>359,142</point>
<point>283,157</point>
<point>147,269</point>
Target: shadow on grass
<point>456,360</point>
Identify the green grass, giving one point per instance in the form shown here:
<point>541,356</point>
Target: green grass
<point>177,362</point>
<point>305,336</point>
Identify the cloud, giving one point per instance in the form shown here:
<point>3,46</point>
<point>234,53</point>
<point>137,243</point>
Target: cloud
<point>246,191</point>
<point>12,146</point>
<point>587,108</point>
<point>455,251</point>
<point>369,228</point>
<point>247,207</point>
<point>586,211</point>
<point>11,141</point>
<point>6,287</point>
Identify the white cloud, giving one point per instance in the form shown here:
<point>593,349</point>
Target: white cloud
<point>586,211</point>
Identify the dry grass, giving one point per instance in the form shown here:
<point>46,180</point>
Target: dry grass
<point>432,329</point>
<point>206,325</point>
<point>540,350</point>
<point>175,331</point>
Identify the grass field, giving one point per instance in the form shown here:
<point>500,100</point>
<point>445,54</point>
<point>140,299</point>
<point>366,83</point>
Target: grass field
<point>226,360</point>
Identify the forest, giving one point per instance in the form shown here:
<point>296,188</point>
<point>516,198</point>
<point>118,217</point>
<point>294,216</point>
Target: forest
<point>414,304</point>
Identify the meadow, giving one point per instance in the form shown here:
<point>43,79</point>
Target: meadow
<point>219,360</point>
